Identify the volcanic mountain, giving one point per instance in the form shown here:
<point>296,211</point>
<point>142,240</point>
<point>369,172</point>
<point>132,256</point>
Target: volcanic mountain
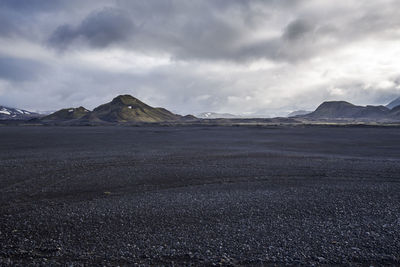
<point>126,108</point>
<point>346,110</point>
<point>67,114</point>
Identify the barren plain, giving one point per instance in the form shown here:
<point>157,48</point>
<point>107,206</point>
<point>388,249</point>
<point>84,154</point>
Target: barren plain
<point>199,195</point>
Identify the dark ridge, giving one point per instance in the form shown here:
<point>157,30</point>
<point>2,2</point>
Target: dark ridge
<point>346,110</point>
<point>67,114</point>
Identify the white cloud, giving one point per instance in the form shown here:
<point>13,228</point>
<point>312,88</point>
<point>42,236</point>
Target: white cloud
<point>240,57</point>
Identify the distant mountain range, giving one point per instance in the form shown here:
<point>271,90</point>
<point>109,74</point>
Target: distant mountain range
<point>214,115</point>
<point>7,113</point>
<point>126,108</point>
<point>123,108</point>
<point>298,113</point>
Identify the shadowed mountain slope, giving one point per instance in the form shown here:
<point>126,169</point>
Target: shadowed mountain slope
<point>345,110</point>
<point>68,114</point>
<point>395,112</point>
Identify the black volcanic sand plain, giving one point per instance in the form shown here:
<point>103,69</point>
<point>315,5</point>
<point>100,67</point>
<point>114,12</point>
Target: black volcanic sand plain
<point>200,195</point>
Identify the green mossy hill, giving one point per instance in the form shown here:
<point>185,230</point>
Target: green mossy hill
<point>126,108</point>
<point>68,114</point>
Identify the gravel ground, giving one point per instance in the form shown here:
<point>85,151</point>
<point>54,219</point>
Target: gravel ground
<point>200,196</point>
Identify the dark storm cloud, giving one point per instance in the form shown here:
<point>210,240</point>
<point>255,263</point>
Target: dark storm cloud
<point>163,26</point>
<point>300,39</point>
<point>16,70</point>
<point>222,30</point>
<point>203,30</point>
<point>100,29</point>
<point>187,30</point>
<point>298,29</point>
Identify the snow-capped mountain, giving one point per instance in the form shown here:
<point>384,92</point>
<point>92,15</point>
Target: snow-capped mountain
<point>394,103</point>
<point>298,113</point>
<point>214,115</point>
<point>7,113</point>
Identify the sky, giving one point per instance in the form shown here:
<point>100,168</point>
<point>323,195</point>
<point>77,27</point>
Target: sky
<point>265,57</point>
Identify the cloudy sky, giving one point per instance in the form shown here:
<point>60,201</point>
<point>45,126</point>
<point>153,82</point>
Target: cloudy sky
<point>244,57</point>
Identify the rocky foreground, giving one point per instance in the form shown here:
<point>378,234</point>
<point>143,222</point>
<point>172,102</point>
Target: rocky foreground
<point>199,196</point>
